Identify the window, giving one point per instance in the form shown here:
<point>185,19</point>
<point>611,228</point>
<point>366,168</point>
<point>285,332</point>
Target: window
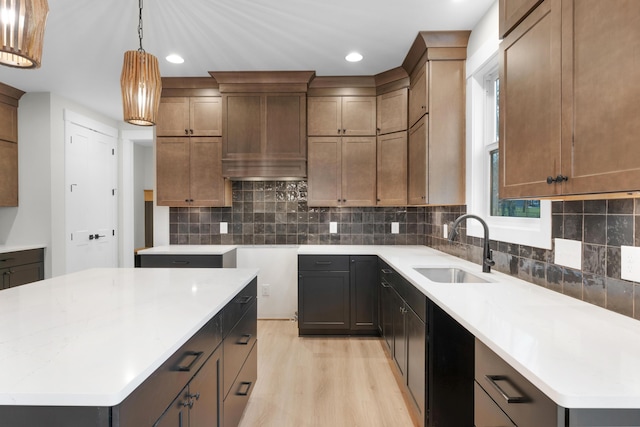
<point>526,222</point>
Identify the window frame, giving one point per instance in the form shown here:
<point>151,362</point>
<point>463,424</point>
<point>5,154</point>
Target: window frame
<point>480,142</point>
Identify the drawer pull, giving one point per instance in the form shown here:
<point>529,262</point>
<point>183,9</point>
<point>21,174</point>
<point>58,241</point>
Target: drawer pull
<point>323,262</point>
<point>246,386</point>
<point>245,339</point>
<point>494,379</point>
<point>385,285</point>
<point>195,354</point>
<point>387,271</point>
<point>245,299</point>
<point>180,262</point>
<point>6,259</point>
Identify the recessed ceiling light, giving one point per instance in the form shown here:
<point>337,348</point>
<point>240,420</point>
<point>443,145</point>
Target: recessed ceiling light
<point>175,59</point>
<point>353,57</point>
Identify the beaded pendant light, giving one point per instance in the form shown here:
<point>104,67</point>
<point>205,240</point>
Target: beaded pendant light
<point>22,24</point>
<point>141,84</point>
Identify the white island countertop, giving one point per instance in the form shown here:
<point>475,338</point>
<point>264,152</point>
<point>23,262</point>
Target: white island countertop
<point>90,338</point>
<point>578,354</point>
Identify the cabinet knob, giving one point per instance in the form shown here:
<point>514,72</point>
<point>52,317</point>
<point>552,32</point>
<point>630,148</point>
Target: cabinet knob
<point>344,131</point>
<point>338,131</point>
<point>559,178</point>
<point>186,131</point>
<point>191,131</point>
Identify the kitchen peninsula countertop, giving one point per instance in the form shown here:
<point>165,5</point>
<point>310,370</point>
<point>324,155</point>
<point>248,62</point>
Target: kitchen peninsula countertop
<point>90,338</point>
<point>578,354</point>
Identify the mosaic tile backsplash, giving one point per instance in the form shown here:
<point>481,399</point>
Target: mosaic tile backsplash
<point>276,213</point>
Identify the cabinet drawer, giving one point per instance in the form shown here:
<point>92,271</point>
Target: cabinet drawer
<point>237,344</point>
<point>11,259</point>
<point>486,412</point>
<point>241,389</point>
<point>238,306</point>
<point>323,263</point>
<point>523,403</point>
<point>413,297</point>
<point>181,261</point>
<point>157,392</point>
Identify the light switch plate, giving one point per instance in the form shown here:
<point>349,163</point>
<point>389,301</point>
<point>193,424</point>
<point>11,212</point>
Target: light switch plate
<point>395,228</point>
<point>333,227</point>
<point>630,263</point>
<point>224,228</point>
<point>568,253</point>
<point>445,230</point>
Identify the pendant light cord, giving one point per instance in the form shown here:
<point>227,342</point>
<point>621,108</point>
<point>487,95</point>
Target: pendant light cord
<point>140,26</point>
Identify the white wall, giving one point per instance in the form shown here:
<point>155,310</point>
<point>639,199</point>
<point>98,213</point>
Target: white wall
<point>143,179</point>
<point>483,42</point>
<point>279,269</point>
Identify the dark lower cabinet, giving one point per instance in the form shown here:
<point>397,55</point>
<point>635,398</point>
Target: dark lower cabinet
<point>21,267</point>
<point>337,294</point>
<point>227,260</point>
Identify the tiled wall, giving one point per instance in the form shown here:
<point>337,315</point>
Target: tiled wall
<point>602,226</point>
<point>276,212</point>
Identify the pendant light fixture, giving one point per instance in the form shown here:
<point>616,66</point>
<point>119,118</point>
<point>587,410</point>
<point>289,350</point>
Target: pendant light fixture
<point>22,25</point>
<point>141,84</point>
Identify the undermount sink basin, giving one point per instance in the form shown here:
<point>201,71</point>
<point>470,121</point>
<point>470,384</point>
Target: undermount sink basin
<point>449,275</point>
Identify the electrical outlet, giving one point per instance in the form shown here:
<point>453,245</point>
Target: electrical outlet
<point>445,230</point>
<point>333,227</point>
<point>266,290</point>
<point>630,263</point>
<point>395,228</point>
<point>568,253</point>
<point>224,228</point>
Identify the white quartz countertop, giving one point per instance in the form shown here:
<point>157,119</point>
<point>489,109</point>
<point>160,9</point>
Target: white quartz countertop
<point>188,250</point>
<point>578,354</point>
<point>16,248</point>
<point>90,338</point>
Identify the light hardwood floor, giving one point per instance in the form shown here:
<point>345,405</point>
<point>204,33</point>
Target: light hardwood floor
<point>322,382</point>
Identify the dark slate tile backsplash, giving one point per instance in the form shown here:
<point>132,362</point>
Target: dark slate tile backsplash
<point>276,213</point>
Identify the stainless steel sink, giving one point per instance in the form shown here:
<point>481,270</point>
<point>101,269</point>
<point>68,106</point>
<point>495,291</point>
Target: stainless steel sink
<point>449,275</point>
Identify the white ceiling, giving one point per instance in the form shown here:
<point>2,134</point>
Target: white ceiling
<point>85,39</point>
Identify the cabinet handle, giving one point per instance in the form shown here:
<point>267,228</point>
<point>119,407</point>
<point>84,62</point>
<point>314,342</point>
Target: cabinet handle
<point>323,262</point>
<point>195,354</point>
<point>245,299</point>
<point>386,271</point>
<point>191,131</point>
<point>194,396</point>
<point>186,131</point>
<point>509,399</point>
<point>244,340</point>
<point>187,404</point>
<point>246,385</point>
<point>180,262</point>
<point>385,285</point>
<point>6,259</point>
<point>559,178</point>
<point>344,131</point>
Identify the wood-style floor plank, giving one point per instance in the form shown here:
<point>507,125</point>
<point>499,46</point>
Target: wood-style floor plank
<point>322,382</point>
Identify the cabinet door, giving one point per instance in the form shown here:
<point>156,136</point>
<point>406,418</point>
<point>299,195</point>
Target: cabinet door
<point>324,116</point>
<point>416,361</point>
<point>206,386</point>
<point>387,304</point>
<point>399,333</point>
<point>23,274</point>
<point>392,169</point>
<point>323,300</point>
<point>512,12</point>
<point>364,292</point>
<point>418,162</point>
<point>358,171</point>
<point>530,104</point>
<point>207,186</point>
<point>242,126</point>
<point>392,111</point>
<point>178,413</point>
<point>486,412</point>
<point>8,122</point>
<point>8,173</point>
<point>172,171</point>
<point>419,95</point>
<point>359,115</point>
<point>324,171</point>
<point>600,98</point>
<point>205,116</point>
<point>173,117</point>
<point>286,133</point>
<point>446,153</point>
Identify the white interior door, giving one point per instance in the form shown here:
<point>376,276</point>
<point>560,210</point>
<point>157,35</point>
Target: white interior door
<point>91,202</point>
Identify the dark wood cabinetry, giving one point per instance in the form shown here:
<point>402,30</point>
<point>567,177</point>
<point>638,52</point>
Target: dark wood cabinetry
<point>9,98</point>
<point>227,260</point>
<point>21,267</point>
<point>568,115</point>
<point>337,294</point>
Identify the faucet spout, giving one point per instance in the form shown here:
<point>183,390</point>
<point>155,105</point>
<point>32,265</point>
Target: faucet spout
<point>487,254</point>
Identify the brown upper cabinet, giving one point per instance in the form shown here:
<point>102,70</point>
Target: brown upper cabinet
<point>342,115</point>
<point>568,124</point>
<point>512,12</point>
<point>194,116</point>
<point>9,98</point>
<point>391,172</point>
<point>392,111</point>
<point>436,148</point>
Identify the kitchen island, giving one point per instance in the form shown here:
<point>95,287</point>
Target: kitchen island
<point>103,347</point>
